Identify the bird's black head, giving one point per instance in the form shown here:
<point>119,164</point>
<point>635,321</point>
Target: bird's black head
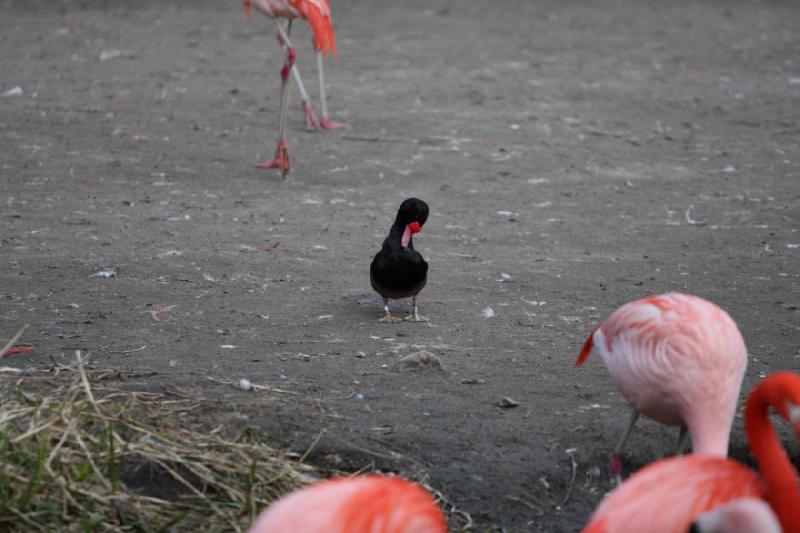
<point>412,210</point>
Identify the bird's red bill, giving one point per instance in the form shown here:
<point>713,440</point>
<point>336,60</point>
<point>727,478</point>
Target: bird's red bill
<point>415,227</point>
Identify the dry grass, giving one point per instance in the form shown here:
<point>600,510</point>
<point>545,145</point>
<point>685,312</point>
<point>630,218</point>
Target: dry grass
<point>78,454</point>
<point>73,458</point>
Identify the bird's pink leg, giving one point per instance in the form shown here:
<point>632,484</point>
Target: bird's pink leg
<point>616,455</point>
<point>311,118</point>
<point>281,160</point>
<point>325,121</point>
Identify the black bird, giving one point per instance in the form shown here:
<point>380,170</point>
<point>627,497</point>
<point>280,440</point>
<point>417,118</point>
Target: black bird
<point>399,271</point>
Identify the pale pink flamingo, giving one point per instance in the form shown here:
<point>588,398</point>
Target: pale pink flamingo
<point>360,504</point>
<point>746,515</point>
<point>318,15</point>
<point>668,495</point>
<point>677,359</point>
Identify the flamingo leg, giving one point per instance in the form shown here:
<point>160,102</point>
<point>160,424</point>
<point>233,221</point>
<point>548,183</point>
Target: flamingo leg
<point>616,455</point>
<point>325,121</point>
<point>281,160</point>
<point>387,316</point>
<point>683,440</point>
<point>415,316</point>
<point>311,118</point>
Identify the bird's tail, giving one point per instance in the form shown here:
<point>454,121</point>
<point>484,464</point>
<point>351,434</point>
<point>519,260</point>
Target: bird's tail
<point>321,25</point>
<point>586,350</point>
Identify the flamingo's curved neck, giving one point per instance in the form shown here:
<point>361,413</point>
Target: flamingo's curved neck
<point>779,475</point>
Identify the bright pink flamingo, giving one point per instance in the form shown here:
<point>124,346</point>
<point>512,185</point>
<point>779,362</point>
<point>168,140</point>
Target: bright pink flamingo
<point>360,504</point>
<point>677,359</point>
<point>746,515</point>
<point>318,15</point>
<point>668,495</point>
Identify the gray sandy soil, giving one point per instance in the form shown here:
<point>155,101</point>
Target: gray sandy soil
<point>595,152</point>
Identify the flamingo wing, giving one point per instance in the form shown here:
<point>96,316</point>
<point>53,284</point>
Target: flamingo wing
<point>318,15</point>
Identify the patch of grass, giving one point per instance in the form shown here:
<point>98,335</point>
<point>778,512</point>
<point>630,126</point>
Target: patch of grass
<point>72,459</point>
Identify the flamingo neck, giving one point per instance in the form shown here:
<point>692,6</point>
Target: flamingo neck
<point>778,473</point>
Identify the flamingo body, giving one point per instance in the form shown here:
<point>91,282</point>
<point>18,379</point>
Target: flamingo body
<point>666,496</point>
<point>677,359</point>
<point>316,12</point>
<point>361,504</point>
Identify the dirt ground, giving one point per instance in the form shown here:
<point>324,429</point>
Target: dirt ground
<point>575,156</point>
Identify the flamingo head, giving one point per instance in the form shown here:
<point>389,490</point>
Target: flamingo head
<point>782,392</point>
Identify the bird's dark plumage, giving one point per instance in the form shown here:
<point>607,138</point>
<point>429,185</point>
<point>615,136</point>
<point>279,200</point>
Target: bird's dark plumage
<point>399,271</point>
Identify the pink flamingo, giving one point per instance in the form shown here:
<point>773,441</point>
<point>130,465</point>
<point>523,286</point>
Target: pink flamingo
<point>668,495</point>
<point>318,15</point>
<point>677,359</point>
<point>361,504</point>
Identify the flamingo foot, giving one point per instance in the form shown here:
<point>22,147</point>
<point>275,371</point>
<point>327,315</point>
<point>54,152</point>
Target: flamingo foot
<point>616,468</point>
<point>280,161</point>
<point>272,163</point>
<point>312,124</point>
<point>328,124</point>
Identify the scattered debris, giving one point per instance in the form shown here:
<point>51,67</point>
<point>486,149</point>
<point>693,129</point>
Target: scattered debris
<point>244,384</point>
<point>473,381</point>
<point>107,55</point>
<point>159,313</point>
<point>14,91</point>
<point>15,350</point>
<point>690,220</point>
<point>507,403</point>
<point>421,361</point>
<point>229,347</point>
<point>7,349</point>
<point>270,247</point>
<point>170,253</point>
<point>571,453</point>
<point>104,273</point>
<point>487,312</point>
